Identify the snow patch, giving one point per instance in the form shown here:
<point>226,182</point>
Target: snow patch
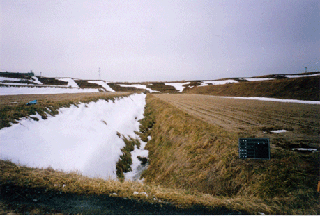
<point>257,79</point>
<point>274,99</point>
<point>42,90</point>
<point>18,84</point>
<point>77,139</point>
<point>36,80</point>
<point>222,82</point>
<point>71,82</point>
<point>298,76</point>
<point>178,86</point>
<point>143,193</point>
<point>278,131</point>
<point>304,149</point>
<point>10,79</point>
<point>138,86</point>
<point>103,84</point>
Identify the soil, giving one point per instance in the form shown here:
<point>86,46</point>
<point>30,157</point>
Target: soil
<point>254,118</point>
<point>13,100</point>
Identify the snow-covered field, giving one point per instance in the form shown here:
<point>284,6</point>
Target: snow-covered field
<point>42,90</point>
<point>81,139</point>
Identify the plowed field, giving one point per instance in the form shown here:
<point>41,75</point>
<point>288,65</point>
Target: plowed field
<point>253,118</point>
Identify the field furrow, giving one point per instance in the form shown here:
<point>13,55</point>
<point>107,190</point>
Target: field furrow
<point>252,117</point>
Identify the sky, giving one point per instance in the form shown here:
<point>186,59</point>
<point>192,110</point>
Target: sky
<point>159,40</point>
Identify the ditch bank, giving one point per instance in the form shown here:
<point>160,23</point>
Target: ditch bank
<point>82,138</point>
<point>188,153</point>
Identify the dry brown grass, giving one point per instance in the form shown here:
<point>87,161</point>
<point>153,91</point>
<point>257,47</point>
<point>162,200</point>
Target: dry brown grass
<point>14,100</point>
<point>188,153</point>
<point>48,180</point>
<point>255,118</point>
<point>304,88</point>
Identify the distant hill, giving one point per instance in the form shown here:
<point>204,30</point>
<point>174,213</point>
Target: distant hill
<point>302,88</point>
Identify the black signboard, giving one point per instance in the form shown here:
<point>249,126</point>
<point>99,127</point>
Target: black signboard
<point>255,148</point>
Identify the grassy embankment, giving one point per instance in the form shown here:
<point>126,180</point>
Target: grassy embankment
<point>27,190</point>
<point>51,81</point>
<point>304,88</point>
<point>42,191</point>
<point>13,107</point>
<point>161,87</point>
<point>116,87</point>
<point>187,153</point>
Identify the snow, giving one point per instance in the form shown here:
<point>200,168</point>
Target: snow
<point>178,86</point>
<point>304,149</point>
<point>17,84</point>
<point>42,90</point>
<point>9,79</point>
<point>138,86</point>
<point>78,139</point>
<point>103,84</point>
<point>278,131</point>
<point>136,166</point>
<point>143,193</point>
<point>36,80</point>
<point>257,79</point>
<point>298,76</point>
<point>222,82</point>
<point>275,99</point>
<point>70,81</point>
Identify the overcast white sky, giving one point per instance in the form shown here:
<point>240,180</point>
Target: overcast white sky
<point>159,40</point>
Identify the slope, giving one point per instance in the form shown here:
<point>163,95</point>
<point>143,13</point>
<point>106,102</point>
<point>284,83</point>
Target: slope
<point>302,88</point>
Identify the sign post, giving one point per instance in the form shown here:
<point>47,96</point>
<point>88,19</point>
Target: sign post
<point>254,148</point>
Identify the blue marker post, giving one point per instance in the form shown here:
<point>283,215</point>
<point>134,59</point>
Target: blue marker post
<point>32,102</point>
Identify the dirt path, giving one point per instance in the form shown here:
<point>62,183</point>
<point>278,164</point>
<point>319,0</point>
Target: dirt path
<point>254,117</point>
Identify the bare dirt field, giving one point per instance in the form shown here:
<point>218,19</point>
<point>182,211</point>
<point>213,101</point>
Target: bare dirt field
<point>253,118</point>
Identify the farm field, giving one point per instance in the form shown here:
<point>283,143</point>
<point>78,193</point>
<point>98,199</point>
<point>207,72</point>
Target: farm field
<point>193,159</point>
<point>194,146</point>
<point>254,118</point>
<point>12,100</point>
